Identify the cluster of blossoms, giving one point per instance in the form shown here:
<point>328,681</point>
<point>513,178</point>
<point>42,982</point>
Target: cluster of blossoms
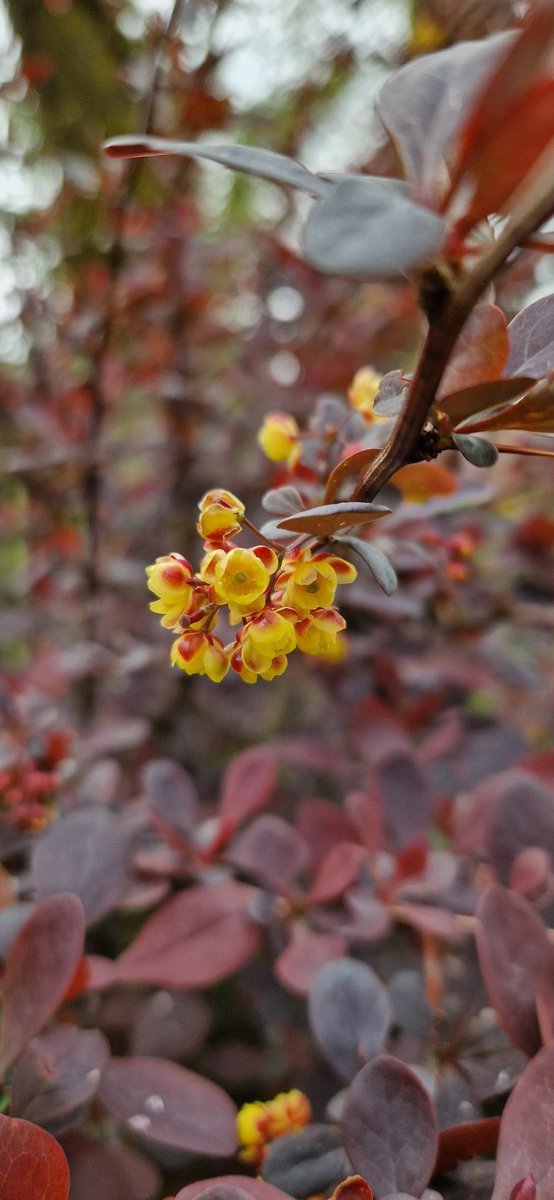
<point>281,601</point>
<point>261,1122</point>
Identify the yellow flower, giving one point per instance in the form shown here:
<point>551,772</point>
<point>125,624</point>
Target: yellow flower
<point>260,1123</point>
<point>200,653</point>
<point>278,438</point>
<point>262,646</point>
<point>317,633</point>
<point>220,517</point>
<point>362,392</point>
<point>239,578</point>
<point>309,581</point>
<point>171,578</point>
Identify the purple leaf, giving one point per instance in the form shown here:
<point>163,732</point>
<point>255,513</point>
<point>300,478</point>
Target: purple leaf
<point>514,953</point>
<point>327,518</point>
<point>270,850</point>
<point>172,797</point>
<point>390,1129</point>
<point>525,1143</point>
<point>405,798</point>
<point>125,1174</point>
<point>366,226</point>
<point>350,1013</point>
<point>84,853</point>
<point>307,1163</point>
<point>532,339</point>
<point>256,1188</point>
<point>58,1074</point>
<point>39,969</point>
<point>163,1101</point>
<point>197,938</point>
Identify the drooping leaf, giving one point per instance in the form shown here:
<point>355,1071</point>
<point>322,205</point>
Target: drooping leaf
<point>252,160</point>
<point>350,1013</point>
<point>423,104</point>
<point>85,853</point>
<point>480,352</point>
<point>306,1163</point>
<point>170,1104</point>
<point>327,518</point>
<point>198,937</point>
<point>525,1143</point>
<point>57,1075</point>
<point>534,412</point>
<point>476,450</point>
<point>417,482</point>
<point>461,406</point>
<point>173,797</point>
<point>531,336</point>
<point>39,969</point>
<point>390,1129</point>
<point>353,464</point>
<point>510,124</point>
<point>380,566</point>
<point>248,785</point>
<point>514,952</point>
<point>33,1165</point>
<point>307,952</point>
<point>366,226</point>
<point>270,850</point>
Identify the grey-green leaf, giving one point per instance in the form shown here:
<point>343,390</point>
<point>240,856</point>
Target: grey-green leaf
<point>381,568</point>
<point>475,449</point>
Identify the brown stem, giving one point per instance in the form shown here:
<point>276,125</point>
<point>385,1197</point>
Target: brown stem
<point>446,322</point>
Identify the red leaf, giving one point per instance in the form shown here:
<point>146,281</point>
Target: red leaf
<point>39,970</point>
<point>163,1101</point>
<point>125,1174</point>
<point>526,1189</point>
<point>272,851</point>
<point>257,1188</point>
<point>172,797</point>
<point>480,352</point>
<point>307,952</point>
<point>353,1188</point>
<point>58,1074</point>
<point>461,1142</point>
<point>390,1129</point>
<point>327,518</point>
<point>514,953</point>
<point>32,1164</point>
<point>248,785</point>
<point>339,869</point>
<point>197,938</point>
<point>525,1143</point>
<point>532,339</point>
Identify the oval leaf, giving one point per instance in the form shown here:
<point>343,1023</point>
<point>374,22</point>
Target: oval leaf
<point>84,853</point>
<point>514,953</point>
<point>256,1188</point>
<point>39,969</point>
<point>480,351</point>
<point>350,1013</point>
<point>461,406</point>
<point>531,336</point>
<point>33,1165</point>
<point>252,160</point>
<point>417,482</point>
<point>525,1143</point>
<point>172,795</point>
<point>306,1163</point>
<point>197,938</point>
<point>367,227</point>
<point>163,1101</point>
<point>476,450</point>
<point>248,786</point>
<point>327,518</point>
<point>58,1075</point>
<point>390,1129</point>
<point>380,566</point>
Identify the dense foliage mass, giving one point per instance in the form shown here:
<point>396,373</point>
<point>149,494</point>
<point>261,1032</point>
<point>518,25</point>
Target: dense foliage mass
<point>295,939</point>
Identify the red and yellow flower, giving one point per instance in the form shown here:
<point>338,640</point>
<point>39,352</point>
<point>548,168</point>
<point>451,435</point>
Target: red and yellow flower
<point>262,645</point>
<point>309,581</point>
<point>199,652</point>
<point>221,514</point>
<point>261,1122</point>
<point>171,579</point>
<point>316,633</point>
<point>239,578</point>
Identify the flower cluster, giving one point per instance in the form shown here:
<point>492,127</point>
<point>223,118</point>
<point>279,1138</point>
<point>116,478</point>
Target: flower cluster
<point>281,601</point>
<point>261,1122</point>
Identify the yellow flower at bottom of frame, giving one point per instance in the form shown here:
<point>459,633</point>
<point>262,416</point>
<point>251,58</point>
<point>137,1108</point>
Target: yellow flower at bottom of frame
<point>171,579</point>
<point>239,577</point>
<point>200,653</point>
<point>262,1122</point>
<point>278,438</point>
<point>263,644</point>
